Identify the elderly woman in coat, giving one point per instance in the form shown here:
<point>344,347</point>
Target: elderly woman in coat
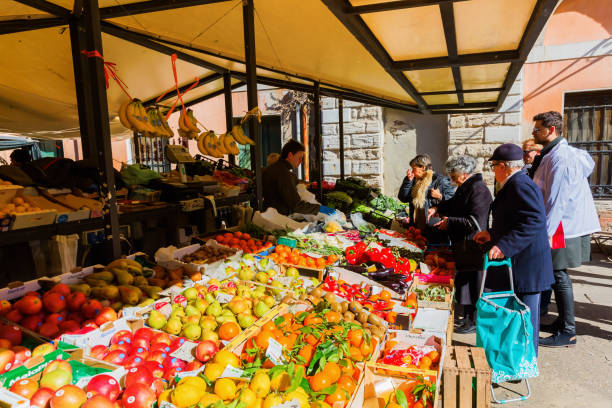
<point>466,213</point>
<point>424,189</point>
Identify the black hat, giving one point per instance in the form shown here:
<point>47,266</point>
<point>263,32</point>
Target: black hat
<point>507,152</point>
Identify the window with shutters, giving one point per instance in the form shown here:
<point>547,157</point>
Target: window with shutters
<point>588,126</point>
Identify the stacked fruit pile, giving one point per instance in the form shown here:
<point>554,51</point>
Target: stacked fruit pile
<point>285,255</point>
<point>243,241</point>
<point>17,206</point>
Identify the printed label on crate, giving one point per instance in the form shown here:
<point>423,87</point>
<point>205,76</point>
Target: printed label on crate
<point>376,290</point>
<point>185,352</point>
<point>171,292</point>
<point>130,312</point>
<point>424,268</point>
<point>213,288</point>
<point>83,381</point>
<point>194,373</point>
<point>163,307</point>
<point>77,340</point>
<point>232,372</point>
<point>224,298</point>
<point>180,300</point>
<point>275,352</point>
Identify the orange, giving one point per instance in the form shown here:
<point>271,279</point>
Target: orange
<point>355,354</point>
<point>319,381</point>
<point>263,339</point>
<point>366,348</point>
<point>311,339</point>
<point>332,370</point>
<point>425,363</point>
<point>347,367</point>
<point>228,330</point>
<point>384,295</point>
<point>434,356</point>
<point>311,319</point>
<point>355,337</point>
<point>306,353</point>
<point>347,383</point>
<point>333,317</point>
<point>337,396</point>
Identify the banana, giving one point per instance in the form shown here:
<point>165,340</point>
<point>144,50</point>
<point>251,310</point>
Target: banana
<point>220,145</point>
<point>182,124</point>
<point>230,144</point>
<point>153,121</point>
<point>193,135</point>
<point>123,115</point>
<point>132,113</point>
<point>144,116</point>
<point>210,142</point>
<point>191,121</point>
<point>201,143</point>
<point>168,130</point>
<point>240,137</point>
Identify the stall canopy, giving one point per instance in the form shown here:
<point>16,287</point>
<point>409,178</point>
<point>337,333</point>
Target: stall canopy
<point>418,55</point>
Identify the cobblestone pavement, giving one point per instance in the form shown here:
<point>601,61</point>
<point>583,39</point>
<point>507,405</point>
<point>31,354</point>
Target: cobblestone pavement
<point>580,376</point>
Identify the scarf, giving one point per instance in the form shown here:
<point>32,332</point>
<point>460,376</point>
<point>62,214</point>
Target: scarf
<point>419,195</point>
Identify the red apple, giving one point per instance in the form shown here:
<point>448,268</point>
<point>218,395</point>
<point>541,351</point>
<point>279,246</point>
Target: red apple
<point>69,396</point>
<point>158,386</point>
<point>138,396</point>
<point>29,305</point>
<point>206,350</point>
<point>138,375</point>
<point>155,368</point>
<point>75,316</point>
<point>116,357</point>
<point>161,337</point>
<point>41,398</point>
<point>75,301</point>
<point>33,293</point>
<point>58,365</point>
<point>99,401</point>
<point>62,288</point>
<point>48,330</point>
<point>157,355</point>
<point>144,333</point>
<point>173,362</point>
<point>176,343</point>
<point>170,373</point>
<point>69,326</point>
<point>22,354</point>
<point>91,308</point>
<point>104,385</point>
<point>14,316</point>
<point>159,347</point>
<point>54,302</point>
<point>26,387</point>
<point>140,352</point>
<point>55,318</point>
<point>133,361</point>
<point>107,314</point>
<point>140,342</point>
<point>121,335</point>
<point>100,351</point>
<point>32,322</point>
<point>193,365</point>
<point>7,358</point>
<point>125,347</point>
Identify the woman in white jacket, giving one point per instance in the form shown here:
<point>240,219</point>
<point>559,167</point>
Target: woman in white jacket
<point>561,171</point>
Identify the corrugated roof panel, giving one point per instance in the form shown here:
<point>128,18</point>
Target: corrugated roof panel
<point>440,99</point>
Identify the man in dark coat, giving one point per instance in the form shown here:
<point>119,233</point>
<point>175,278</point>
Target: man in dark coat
<point>280,182</point>
<point>518,231</point>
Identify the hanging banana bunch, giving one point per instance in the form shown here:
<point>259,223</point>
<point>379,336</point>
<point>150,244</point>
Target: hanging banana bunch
<point>188,125</point>
<point>238,132</point>
<point>134,116</point>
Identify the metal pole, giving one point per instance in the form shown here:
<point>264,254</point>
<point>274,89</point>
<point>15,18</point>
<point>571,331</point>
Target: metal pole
<point>248,17</point>
<point>341,136</point>
<point>93,111</point>
<point>318,140</point>
<point>229,111</point>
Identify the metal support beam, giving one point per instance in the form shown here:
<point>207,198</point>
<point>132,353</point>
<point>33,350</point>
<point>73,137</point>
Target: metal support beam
<point>452,111</point>
<point>150,6</point>
<point>173,94</point>
<point>465,59</point>
<point>46,6</point>
<point>448,21</point>
<point>229,109</point>
<point>341,135</point>
<point>318,139</point>
<point>364,35</point>
<point>463,91</point>
<point>212,95</point>
<point>17,26</point>
<point>248,17</point>
<point>93,112</point>
<point>541,12</point>
<point>391,5</point>
<point>465,105</point>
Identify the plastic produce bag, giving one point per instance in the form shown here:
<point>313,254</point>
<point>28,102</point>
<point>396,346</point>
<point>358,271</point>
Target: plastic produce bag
<point>135,174</point>
<point>306,195</point>
<point>272,220</point>
<point>63,250</point>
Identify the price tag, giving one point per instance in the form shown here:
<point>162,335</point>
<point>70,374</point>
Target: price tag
<point>376,290</point>
<point>294,403</point>
<point>171,292</point>
<point>232,372</point>
<point>185,352</point>
<point>224,298</point>
<point>83,381</point>
<point>77,340</point>
<point>194,373</point>
<point>424,268</point>
<point>402,309</point>
<point>224,342</point>
<point>129,312</point>
<point>275,352</point>
<point>163,307</point>
<point>166,404</point>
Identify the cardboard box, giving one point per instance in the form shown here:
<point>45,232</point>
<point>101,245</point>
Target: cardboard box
<point>446,304</point>
<point>175,262</point>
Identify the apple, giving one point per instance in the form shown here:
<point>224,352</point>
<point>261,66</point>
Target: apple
<point>170,373</point>
<point>69,326</point>
<point>54,302</point>
<point>140,352</point>
<point>173,362</point>
<point>100,351</point>
<point>75,301</point>
<point>133,361</point>
<point>54,318</point>
<point>140,342</point>
<point>138,375</point>
<point>121,336</point>
<point>58,365</point>
<point>206,350</point>
<point>138,396</point>
<point>56,379</point>
<point>116,357</point>
<point>98,401</point>
<point>48,330</point>
<point>61,288</point>
<point>91,308</point>
<point>4,343</point>
<point>144,333</point>
<point>123,346</point>
<point>14,316</point>
<point>155,368</point>
<point>107,314</point>
<point>157,355</point>
<point>7,358</point>
<point>22,354</point>
<point>43,349</point>
<point>161,337</point>
<point>41,398</point>
<point>26,387</point>
<point>29,305</point>
<point>105,385</point>
<point>158,386</point>
<point>193,365</point>
<point>32,322</point>
<point>75,316</point>
<point>176,343</point>
<point>69,396</point>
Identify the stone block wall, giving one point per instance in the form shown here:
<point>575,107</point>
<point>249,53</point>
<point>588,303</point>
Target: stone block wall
<point>604,210</point>
<point>363,141</point>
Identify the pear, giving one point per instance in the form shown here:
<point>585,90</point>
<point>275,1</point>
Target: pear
<point>110,292</point>
<point>156,320</point>
<point>292,272</point>
<point>268,300</point>
<point>173,326</point>
<point>124,277</point>
<point>261,308</point>
<point>177,314</point>
<point>208,323</point>
<point>246,274</point>
<point>140,281</point>
<point>249,257</point>
<point>237,305</point>
<point>258,292</point>
<point>190,293</point>
<point>277,284</point>
<point>214,309</point>
<point>201,305</point>
<point>261,277</point>
<point>193,319</point>
<point>271,272</point>
<point>209,297</point>
<point>192,331</point>
<point>209,335</point>
<point>129,295</point>
<point>263,264</point>
<point>191,310</point>
<point>245,320</point>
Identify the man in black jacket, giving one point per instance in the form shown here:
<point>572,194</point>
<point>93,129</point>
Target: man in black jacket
<point>280,182</point>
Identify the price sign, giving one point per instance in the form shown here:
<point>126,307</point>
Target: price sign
<point>130,312</point>
<point>224,298</point>
<point>402,310</point>
<point>376,290</point>
<point>275,352</point>
<point>232,372</point>
<point>185,352</point>
<point>294,403</point>
<point>424,268</point>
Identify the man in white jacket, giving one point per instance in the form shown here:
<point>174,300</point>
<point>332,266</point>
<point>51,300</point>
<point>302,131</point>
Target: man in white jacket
<point>561,171</point>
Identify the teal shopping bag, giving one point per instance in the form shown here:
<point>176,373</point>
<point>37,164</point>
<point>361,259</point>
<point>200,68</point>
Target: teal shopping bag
<point>504,330</point>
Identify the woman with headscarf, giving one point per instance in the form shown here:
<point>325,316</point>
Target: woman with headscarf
<point>424,189</point>
<point>466,213</point>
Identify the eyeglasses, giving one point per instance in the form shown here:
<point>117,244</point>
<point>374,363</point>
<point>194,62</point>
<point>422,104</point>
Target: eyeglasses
<point>529,151</point>
<point>492,165</point>
<point>536,130</point>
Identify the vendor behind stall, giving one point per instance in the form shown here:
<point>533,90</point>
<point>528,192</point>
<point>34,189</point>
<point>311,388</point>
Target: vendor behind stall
<point>280,182</point>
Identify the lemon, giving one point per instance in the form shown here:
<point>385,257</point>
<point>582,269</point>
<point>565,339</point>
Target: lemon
<point>260,384</point>
<point>213,371</point>
<point>281,382</point>
<point>272,400</point>
<point>197,382</point>
<point>225,357</point>
<point>209,399</point>
<point>248,397</point>
<point>186,395</point>
<point>298,395</point>
<point>164,396</point>
<point>225,389</point>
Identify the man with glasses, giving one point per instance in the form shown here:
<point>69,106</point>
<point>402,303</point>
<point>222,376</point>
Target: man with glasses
<point>530,151</point>
<point>518,231</point>
<point>561,172</point>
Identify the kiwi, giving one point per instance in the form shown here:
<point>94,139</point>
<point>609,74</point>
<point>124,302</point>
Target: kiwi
<point>362,317</point>
<point>355,307</point>
<point>316,292</point>
<point>348,316</point>
<point>375,320</point>
<point>330,298</point>
<point>336,307</point>
<point>344,306</point>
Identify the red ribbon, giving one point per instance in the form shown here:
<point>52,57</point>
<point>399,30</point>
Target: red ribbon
<point>110,70</point>
<point>179,96</point>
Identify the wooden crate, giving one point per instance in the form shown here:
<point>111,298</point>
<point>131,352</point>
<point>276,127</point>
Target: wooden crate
<point>466,378</point>
<point>445,305</point>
